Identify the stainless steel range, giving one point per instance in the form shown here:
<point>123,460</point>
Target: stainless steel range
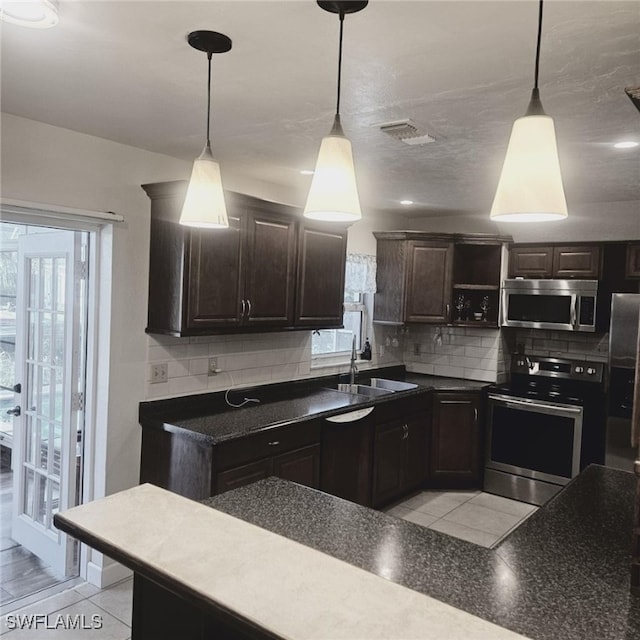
<point>543,427</point>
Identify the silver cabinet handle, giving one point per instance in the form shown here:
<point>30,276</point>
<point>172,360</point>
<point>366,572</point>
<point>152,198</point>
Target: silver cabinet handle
<point>243,307</point>
<point>405,431</point>
<point>248,307</point>
<point>274,443</point>
<point>475,414</point>
<point>448,307</point>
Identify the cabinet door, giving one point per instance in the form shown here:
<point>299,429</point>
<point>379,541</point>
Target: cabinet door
<point>301,466</point>
<point>577,262</point>
<point>532,262</point>
<point>388,461</point>
<point>246,474</point>
<point>416,463</point>
<point>345,469</point>
<point>214,281</point>
<point>269,270</point>
<point>321,262</point>
<point>429,271</point>
<point>455,440</point>
<point>633,261</point>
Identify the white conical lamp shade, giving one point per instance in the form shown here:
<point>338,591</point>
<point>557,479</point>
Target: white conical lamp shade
<point>333,195</point>
<point>204,204</point>
<point>530,187</point>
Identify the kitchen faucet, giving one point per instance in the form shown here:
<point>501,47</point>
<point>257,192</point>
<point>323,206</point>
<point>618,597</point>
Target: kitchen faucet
<point>352,365</point>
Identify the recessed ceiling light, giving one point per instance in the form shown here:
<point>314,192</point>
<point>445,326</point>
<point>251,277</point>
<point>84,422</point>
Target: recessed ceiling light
<point>37,14</point>
<point>306,172</point>
<point>406,202</point>
<point>625,144</point>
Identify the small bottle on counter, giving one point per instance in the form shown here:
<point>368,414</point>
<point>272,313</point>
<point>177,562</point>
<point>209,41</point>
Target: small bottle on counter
<point>366,352</point>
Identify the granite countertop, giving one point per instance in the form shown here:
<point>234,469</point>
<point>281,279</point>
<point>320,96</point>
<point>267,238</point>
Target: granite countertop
<point>210,418</point>
<point>564,573</point>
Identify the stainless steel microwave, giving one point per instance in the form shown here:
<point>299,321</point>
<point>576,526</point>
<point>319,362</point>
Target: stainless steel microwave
<point>567,305</point>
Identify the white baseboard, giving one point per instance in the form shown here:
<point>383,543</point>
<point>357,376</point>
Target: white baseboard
<point>106,576</point>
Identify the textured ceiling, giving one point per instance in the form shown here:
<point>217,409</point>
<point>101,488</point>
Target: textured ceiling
<point>461,71</point>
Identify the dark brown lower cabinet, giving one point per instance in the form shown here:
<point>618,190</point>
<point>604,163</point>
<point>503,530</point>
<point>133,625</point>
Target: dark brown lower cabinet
<point>346,460</point>
<point>301,466</point>
<point>159,613</point>
<point>455,440</point>
<point>400,460</point>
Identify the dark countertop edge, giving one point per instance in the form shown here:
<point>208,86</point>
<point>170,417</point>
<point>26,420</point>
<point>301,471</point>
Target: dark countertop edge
<point>154,418</point>
<point>162,579</point>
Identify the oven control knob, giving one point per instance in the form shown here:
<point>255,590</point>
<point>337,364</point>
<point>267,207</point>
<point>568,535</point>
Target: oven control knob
<point>579,369</point>
<point>590,371</point>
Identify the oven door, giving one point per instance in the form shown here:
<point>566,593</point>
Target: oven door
<point>534,439</point>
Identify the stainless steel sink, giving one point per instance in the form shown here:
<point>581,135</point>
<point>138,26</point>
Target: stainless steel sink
<point>363,390</point>
<point>391,385</point>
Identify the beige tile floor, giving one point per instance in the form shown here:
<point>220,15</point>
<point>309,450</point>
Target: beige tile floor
<point>83,603</point>
<point>480,518</point>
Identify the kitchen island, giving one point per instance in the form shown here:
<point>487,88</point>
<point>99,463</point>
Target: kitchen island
<point>274,559</point>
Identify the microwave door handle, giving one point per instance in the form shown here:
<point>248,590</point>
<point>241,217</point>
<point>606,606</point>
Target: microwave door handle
<point>574,310</point>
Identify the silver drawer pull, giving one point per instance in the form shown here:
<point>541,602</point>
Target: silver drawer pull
<point>274,443</point>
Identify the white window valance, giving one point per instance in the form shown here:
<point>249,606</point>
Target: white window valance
<point>360,273</point>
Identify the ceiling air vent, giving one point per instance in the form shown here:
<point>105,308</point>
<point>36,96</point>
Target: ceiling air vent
<point>634,94</point>
<point>405,131</point>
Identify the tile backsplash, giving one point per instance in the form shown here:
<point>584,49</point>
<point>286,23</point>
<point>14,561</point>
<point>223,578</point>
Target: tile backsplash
<point>562,344</point>
<point>248,359</point>
<point>458,352</point>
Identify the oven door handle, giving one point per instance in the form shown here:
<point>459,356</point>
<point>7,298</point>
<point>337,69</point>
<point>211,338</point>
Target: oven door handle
<point>522,404</point>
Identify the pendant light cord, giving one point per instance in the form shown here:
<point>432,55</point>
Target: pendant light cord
<point>209,56</point>
<point>535,79</point>
<point>340,61</point>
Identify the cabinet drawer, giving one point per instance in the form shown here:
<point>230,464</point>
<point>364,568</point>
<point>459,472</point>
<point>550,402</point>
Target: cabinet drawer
<point>241,476</point>
<point>266,444</point>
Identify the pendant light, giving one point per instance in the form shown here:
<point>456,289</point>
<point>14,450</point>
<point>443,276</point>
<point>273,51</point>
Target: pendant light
<point>333,195</point>
<point>204,203</point>
<point>530,187</point>
<point>35,14</point>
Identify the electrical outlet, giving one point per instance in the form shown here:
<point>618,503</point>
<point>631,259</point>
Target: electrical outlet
<point>159,372</point>
<point>213,367</point>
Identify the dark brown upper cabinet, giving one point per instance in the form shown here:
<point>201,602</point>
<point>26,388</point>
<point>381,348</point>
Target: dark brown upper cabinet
<point>413,280</point>
<point>556,261</point>
<point>476,280</point>
<point>633,261</point>
<point>417,274</point>
<point>244,278</point>
<point>321,263</point>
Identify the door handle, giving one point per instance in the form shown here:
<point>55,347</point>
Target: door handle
<point>15,412</point>
<point>17,388</point>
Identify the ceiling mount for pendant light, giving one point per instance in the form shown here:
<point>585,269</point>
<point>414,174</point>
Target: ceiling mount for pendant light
<point>333,195</point>
<point>530,186</point>
<point>204,204</point>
